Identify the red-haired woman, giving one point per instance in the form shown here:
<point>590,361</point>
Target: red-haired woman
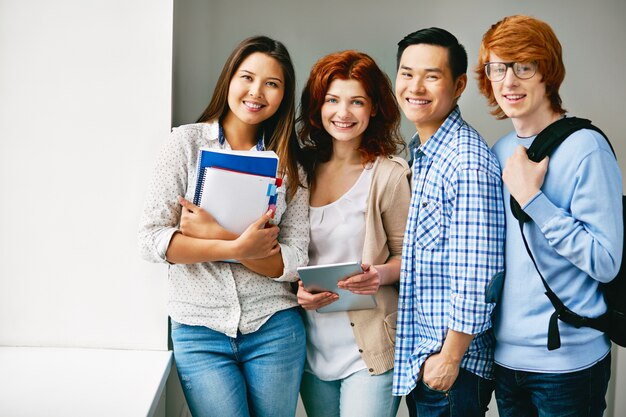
<point>359,199</point>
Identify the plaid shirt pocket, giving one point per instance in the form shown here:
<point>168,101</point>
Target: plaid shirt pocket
<point>428,228</point>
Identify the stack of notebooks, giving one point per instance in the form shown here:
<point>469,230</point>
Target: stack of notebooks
<point>236,187</point>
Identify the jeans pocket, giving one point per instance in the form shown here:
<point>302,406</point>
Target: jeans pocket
<point>428,388</point>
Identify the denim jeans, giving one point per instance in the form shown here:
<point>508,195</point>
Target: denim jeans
<point>469,396</point>
<point>359,394</point>
<point>256,374</point>
<point>532,394</point>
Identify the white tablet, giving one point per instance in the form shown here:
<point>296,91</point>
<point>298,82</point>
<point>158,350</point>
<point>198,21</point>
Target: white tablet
<point>320,278</point>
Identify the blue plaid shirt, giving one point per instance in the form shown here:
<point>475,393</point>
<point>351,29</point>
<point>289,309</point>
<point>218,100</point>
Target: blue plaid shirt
<point>453,245</point>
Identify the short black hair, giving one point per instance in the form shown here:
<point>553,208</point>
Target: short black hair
<point>457,56</point>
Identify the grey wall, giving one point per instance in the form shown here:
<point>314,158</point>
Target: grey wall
<point>591,35</point>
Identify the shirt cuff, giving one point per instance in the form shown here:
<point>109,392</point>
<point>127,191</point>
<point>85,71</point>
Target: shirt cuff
<point>290,264</point>
<point>162,241</point>
<point>469,316</point>
<point>541,209</point>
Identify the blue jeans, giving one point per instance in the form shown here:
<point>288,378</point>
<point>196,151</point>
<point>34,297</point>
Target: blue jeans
<point>532,394</point>
<point>256,374</point>
<point>359,394</point>
<point>469,396</point>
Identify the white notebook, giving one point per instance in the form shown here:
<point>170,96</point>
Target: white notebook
<point>235,199</point>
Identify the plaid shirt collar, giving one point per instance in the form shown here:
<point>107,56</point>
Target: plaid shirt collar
<point>437,143</point>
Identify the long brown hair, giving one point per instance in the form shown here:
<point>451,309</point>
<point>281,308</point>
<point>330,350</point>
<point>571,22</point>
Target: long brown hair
<point>279,130</point>
<point>382,136</point>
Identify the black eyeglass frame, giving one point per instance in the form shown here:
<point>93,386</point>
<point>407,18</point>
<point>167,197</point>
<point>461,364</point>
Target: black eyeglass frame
<point>512,66</point>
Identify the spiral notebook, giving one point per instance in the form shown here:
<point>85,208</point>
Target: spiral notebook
<point>263,163</point>
<point>236,199</point>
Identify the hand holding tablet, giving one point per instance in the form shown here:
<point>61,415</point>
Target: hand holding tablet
<point>320,278</point>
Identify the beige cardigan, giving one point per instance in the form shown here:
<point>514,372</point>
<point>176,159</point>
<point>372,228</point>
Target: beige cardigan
<point>388,206</point>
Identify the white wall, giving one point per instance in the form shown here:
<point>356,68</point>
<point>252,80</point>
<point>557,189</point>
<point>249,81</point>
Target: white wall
<point>85,101</point>
<point>592,35</point>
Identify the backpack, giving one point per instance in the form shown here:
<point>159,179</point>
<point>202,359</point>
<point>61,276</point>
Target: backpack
<point>613,322</point>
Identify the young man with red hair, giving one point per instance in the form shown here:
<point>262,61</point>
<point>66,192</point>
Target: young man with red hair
<point>575,232</point>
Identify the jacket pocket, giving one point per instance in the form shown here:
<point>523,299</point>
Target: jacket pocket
<point>390,326</point>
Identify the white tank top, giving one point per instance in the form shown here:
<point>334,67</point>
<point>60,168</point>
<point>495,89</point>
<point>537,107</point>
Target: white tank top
<point>337,235</point>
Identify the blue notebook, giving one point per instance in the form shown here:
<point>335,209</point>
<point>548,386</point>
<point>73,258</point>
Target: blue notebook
<point>263,163</point>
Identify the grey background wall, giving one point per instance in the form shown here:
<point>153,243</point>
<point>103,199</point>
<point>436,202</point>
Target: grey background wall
<point>592,35</point>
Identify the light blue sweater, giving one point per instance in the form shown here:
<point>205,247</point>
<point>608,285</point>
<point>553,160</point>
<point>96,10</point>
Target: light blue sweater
<point>576,239</point>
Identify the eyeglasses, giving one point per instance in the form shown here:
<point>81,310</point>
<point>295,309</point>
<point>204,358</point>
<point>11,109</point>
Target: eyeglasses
<point>496,71</point>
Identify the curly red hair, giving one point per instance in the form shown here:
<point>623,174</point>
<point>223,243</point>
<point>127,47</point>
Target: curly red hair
<point>382,136</point>
<point>523,39</point>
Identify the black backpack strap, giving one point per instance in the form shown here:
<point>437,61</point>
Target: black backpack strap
<point>554,336</point>
<point>547,141</point>
<point>543,145</point>
<point>553,135</point>
<point>561,311</point>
